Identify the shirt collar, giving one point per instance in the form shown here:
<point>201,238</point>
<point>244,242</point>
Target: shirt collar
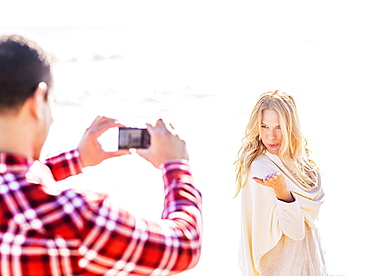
<point>273,157</point>
<point>15,163</point>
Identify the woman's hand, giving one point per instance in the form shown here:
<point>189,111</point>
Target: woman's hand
<point>277,182</point>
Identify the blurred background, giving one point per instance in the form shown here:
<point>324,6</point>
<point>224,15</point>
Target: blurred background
<point>202,65</point>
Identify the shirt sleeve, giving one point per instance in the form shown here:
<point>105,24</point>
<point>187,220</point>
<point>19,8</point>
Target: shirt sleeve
<point>65,164</point>
<point>116,242</point>
<point>291,219</point>
<point>288,217</point>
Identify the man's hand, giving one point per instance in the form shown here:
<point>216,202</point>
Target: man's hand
<point>165,145</point>
<point>91,151</point>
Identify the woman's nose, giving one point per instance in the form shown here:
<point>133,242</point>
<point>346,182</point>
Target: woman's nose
<point>271,134</point>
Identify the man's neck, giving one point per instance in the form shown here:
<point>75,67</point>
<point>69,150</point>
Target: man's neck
<point>16,136</point>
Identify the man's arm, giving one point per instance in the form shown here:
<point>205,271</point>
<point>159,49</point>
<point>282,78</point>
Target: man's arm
<point>88,153</point>
<point>65,164</point>
<point>114,241</point>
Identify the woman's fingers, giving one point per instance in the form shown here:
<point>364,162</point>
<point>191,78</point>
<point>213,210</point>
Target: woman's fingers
<point>271,180</point>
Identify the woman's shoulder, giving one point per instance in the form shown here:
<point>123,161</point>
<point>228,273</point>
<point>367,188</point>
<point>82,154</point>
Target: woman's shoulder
<point>260,160</point>
<point>262,164</point>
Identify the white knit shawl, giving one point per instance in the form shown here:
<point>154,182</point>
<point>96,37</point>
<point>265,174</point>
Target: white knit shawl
<point>260,230</point>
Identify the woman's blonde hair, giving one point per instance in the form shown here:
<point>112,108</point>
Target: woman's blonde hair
<point>293,151</point>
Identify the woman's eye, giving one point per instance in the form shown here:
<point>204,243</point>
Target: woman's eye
<point>278,127</point>
<point>263,126</point>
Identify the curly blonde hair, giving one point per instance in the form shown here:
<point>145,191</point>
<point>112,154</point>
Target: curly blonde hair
<point>293,152</point>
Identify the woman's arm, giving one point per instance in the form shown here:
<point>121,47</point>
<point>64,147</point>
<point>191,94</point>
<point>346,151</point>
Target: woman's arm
<point>290,216</point>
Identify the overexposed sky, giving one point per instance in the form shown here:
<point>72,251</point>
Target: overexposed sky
<point>234,50</point>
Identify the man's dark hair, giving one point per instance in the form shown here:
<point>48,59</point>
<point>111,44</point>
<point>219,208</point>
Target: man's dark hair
<point>23,65</point>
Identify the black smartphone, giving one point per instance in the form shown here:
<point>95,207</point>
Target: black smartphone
<point>137,138</point>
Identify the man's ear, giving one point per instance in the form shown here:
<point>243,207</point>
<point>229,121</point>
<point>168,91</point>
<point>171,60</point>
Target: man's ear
<point>38,100</point>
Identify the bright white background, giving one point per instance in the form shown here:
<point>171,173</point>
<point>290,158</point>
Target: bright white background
<point>202,65</point>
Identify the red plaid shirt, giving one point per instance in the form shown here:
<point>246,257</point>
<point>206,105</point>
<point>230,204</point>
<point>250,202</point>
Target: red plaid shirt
<point>69,233</point>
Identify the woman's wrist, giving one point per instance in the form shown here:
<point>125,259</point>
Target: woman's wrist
<point>284,195</point>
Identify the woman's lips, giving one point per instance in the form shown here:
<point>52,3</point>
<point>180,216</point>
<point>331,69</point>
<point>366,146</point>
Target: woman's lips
<point>273,145</point>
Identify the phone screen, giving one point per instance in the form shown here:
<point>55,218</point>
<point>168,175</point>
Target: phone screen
<point>129,138</point>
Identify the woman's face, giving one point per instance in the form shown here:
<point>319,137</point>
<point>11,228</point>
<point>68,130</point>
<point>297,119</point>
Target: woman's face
<point>271,131</point>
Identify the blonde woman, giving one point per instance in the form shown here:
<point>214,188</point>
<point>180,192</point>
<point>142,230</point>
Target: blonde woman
<point>280,194</point>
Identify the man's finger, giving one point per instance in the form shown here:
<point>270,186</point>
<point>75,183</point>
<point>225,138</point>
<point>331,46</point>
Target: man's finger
<point>102,126</point>
<point>117,153</point>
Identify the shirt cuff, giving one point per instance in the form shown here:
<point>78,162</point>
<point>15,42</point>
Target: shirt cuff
<point>287,207</point>
<point>167,164</point>
<point>65,164</point>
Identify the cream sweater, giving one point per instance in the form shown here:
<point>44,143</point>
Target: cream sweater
<point>278,238</point>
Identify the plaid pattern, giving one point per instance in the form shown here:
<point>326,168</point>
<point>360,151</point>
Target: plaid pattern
<point>64,165</point>
<point>70,233</point>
